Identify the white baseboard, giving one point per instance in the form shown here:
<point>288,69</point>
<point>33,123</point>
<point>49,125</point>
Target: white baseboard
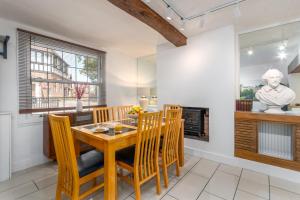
<point>270,170</point>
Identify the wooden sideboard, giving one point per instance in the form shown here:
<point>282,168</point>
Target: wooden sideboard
<point>247,138</point>
<point>76,119</point>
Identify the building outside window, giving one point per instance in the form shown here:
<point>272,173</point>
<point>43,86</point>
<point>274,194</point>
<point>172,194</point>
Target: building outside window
<point>53,69</point>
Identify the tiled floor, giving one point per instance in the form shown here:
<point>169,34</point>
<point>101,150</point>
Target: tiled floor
<point>200,179</point>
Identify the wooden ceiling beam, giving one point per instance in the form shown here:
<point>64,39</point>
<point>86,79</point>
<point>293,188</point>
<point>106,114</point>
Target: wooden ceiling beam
<point>144,13</point>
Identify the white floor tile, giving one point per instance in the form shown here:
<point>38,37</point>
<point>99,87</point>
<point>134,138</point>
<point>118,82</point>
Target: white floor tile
<point>18,191</point>
<point>26,177</point>
<point>46,181</point>
<point>207,196</point>
<point>189,187</point>
<point>124,189</point>
<point>222,185</point>
<point>148,190</point>
<point>205,168</point>
<point>279,194</point>
<point>285,184</point>
<point>98,196</point>
<point>47,193</point>
<point>253,187</point>
<point>241,195</point>
<point>168,197</point>
<point>128,198</point>
<point>39,183</point>
<point>230,169</point>
<point>189,162</point>
<point>255,177</point>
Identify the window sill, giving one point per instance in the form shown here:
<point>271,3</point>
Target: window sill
<point>56,110</point>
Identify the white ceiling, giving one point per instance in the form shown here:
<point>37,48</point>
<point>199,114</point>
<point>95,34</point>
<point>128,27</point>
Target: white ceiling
<point>100,24</point>
<point>265,43</point>
<point>268,55</point>
<point>265,46</point>
<point>254,13</point>
<point>97,23</point>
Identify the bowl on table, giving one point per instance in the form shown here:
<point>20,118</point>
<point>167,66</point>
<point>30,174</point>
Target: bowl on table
<point>101,129</point>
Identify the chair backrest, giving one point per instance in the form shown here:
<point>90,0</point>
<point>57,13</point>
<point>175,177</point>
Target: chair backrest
<point>122,111</point>
<point>65,152</point>
<point>171,135</point>
<point>147,145</point>
<point>103,114</point>
<point>170,106</point>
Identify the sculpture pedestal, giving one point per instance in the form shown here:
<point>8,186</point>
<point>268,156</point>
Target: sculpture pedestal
<point>255,137</point>
<point>274,110</point>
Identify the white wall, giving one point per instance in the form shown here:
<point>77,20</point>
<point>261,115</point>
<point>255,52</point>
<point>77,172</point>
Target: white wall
<point>295,85</point>
<point>146,77</point>
<point>27,135</point>
<point>121,79</point>
<point>203,74</point>
<point>252,75</point>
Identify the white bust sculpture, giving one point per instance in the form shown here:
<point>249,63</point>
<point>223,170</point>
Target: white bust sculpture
<point>274,95</point>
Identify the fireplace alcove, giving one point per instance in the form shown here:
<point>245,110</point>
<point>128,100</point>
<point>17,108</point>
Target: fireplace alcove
<point>196,123</point>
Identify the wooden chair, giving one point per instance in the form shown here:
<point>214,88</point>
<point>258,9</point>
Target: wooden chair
<point>170,106</point>
<point>121,111</point>
<point>169,153</point>
<point>103,114</point>
<point>142,160</point>
<point>72,172</point>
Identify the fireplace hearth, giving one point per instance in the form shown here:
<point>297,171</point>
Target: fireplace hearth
<point>196,123</point>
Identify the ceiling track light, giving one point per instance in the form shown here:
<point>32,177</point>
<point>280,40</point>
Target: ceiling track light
<point>250,52</point>
<point>236,3</point>
<point>283,45</point>
<point>202,21</point>
<point>282,55</point>
<point>182,23</point>
<point>169,13</point>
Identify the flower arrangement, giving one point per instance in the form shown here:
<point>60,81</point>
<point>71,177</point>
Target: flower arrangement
<point>135,110</point>
<point>79,90</point>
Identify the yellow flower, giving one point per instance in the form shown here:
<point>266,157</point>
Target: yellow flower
<point>135,110</point>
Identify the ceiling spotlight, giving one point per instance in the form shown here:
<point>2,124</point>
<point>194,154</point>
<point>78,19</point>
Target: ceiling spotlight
<point>282,55</point>
<point>202,21</point>
<point>250,52</point>
<point>237,10</point>
<point>169,13</point>
<point>182,24</point>
<point>282,45</point>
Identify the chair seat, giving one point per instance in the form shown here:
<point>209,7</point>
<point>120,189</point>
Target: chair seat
<point>126,155</point>
<point>90,162</point>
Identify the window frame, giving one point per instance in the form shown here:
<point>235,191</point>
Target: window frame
<point>100,83</point>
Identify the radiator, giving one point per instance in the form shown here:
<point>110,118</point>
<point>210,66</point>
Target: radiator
<point>276,140</point>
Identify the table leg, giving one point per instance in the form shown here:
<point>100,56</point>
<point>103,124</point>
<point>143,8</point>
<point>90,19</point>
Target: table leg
<point>110,181</point>
<point>181,145</point>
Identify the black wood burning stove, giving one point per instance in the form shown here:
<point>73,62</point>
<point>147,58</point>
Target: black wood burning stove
<point>196,124</point>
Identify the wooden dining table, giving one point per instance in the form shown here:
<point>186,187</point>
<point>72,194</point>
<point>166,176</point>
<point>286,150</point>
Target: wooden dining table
<point>111,142</point>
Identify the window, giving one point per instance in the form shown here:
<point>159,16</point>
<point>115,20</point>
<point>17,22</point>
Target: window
<point>50,69</point>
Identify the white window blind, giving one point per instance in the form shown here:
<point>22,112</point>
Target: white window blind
<point>49,70</point>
